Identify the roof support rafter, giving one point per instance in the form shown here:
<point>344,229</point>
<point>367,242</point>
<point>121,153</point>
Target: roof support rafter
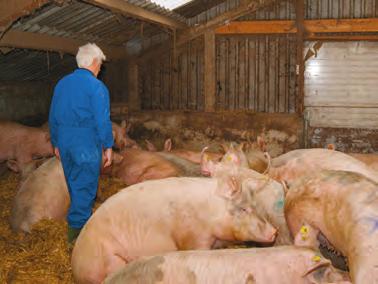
<point>20,39</point>
<point>125,8</point>
<point>10,11</point>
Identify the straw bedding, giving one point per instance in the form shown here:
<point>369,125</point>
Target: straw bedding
<point>42,256</point>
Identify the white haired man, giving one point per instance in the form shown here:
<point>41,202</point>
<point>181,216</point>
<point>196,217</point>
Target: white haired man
<point>81,130</point>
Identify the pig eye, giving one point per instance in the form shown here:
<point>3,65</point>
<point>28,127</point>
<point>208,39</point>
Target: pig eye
<point>243,210</point>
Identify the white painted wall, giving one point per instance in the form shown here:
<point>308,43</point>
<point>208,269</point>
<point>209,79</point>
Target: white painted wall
<point>341,85</point>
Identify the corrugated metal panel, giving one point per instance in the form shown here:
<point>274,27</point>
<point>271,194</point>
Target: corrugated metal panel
<point>196,7</point>
<point>213,12</point>
<point>343,117</point>
<point>337,9</point>
<point>318,9</point>
<point>166,88</point>
<point>284,10</point>
<point>75,20</point>
<point>341,85</point>
<point>256,73</point>
<point>79,20</point>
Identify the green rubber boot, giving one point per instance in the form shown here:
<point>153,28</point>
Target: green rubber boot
<point>72,234</point>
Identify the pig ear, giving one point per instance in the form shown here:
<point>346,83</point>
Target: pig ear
<point>123,124</point>
<point>285,187</point>
<point>261,143</point>
<point>231,158</point>
<point>224,147</point>
<point>128,127</point>
<point>117,158</point>
<point>207,165</point>
<point>150,147</point>
<point>256,184</point>
<point>136,146</point>
<point>13,166</point>
<point>245,146</point>
<point>318,263</point>
<point>168,145</point>
<point>230,188</point>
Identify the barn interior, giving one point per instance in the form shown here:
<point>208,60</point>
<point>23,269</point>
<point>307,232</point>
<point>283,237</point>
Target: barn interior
<point>296,73</point>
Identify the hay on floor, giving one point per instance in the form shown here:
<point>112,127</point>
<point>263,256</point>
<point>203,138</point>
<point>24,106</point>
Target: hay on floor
<point>42,256</point>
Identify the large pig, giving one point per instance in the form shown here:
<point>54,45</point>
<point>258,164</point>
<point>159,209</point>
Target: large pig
<point>343,207</point>
<point>255,154</point>
<point>297,163</point>
<point>370,159</point>
<point>164,215</point>
<point>43,194</point>
<point>138,165</point>
<point>283,265</point>
<point>192,156</point>
<point>267,195</point>
<point>22,143</point>
<point>121,138</point>
<point>250,155</point>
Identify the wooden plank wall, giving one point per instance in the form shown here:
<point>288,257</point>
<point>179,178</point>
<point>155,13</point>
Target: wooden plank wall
<point>256,73</point>
<point>114,75</point>
<point>168,86</point>
<point>317,9</point>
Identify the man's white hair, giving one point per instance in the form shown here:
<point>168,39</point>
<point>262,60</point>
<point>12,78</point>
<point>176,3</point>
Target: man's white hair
<point>87,53</point>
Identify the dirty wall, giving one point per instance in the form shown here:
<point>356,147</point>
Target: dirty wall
<point>26,102</point>
<point>195,130</point>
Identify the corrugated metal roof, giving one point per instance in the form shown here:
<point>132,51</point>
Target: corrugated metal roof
<point>83,21</point>
<point>196,7</point>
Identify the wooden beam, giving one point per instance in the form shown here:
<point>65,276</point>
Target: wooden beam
<point>125,8</point>
<point>258,27</point>
<point>245,7</point>
<point>209,71</point>
<point>342,25</point>
<point>337,37</point>
<point>20,39</point>
<point>310,26</point>
<point>10,11</point>
<point>300,66</point>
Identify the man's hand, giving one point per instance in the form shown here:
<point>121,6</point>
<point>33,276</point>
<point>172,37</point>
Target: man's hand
<point>108,157</point>
<point>56,152</point>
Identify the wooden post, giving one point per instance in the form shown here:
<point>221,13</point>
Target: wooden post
<point>300,67</point>
<point>209,71</point>
<point>134,102</point>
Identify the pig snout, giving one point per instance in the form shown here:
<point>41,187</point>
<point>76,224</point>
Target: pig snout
<point>258,230</point>
<point>263,231</point>
<point>270,234</point>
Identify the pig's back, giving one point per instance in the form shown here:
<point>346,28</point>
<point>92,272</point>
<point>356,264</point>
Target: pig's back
<point>305,161</point>
<point>43,194</point>
<point>151,195</point>
<point>263,265</point>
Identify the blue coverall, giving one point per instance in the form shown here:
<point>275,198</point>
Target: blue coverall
<point>80,128</point>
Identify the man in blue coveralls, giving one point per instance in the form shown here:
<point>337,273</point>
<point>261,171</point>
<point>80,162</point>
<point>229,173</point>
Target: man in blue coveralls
<point>81,131</point>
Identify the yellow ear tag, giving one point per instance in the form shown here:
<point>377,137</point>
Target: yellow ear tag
<point>304,232</point>
<point>205,157</point>
<point>229,158</point>
<point>316,258</point>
